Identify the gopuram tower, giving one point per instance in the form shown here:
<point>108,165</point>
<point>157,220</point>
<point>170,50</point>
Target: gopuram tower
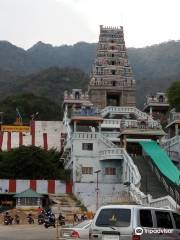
<point>112,82</point>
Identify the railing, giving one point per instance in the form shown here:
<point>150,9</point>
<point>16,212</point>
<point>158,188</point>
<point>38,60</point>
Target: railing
<point>171,188</point>
<point>111,135</point>
<point>66,123</point>
<point>171,142</point>
<point>114,150</point>
<point>156,100</point>
<point>107,142</point>
<point>111,83</point>
<point>166,201</point>
<point>130,123</point>
<point>137,195</point>
<point>174,116</point>
<point>85,135</point>
<point>134,110</point>
<point>86,112</point>
<point>112,122</point>
<point>111,153</point>
<point>174,155</point>
<point>132,169</point>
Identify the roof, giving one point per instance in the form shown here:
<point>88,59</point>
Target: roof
<point>138,131</point>
<point>138,206</point>
<point>28,193</point>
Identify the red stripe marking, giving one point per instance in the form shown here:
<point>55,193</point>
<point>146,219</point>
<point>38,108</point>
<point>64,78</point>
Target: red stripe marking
<point>51,186</point>
<point>20,139</point>
<point>1,139</point>
<point>9,141</point>
<point>69,186</point>
<point>45,141</point>
<point>12,185</point>
<point>33,184</point>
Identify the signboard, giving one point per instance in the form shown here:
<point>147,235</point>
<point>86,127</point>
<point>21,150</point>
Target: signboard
<point>11,128</point>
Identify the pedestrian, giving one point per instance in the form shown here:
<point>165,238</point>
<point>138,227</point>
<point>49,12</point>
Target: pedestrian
<point>75,218</point>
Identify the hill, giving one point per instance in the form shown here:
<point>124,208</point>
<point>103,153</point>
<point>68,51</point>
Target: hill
<point>155,67</point>
<point>50,83</point>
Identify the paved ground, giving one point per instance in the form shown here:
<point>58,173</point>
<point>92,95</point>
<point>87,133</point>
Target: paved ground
<point>27,232</point>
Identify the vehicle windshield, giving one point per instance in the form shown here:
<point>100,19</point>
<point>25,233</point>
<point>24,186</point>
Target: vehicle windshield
<point>114,217</point>
<point>82,224</point>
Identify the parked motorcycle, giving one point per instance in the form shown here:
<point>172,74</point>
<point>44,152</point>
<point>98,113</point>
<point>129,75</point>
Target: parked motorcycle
<point>30,219</point>
<point>8,220</point>
<point>49,221</point>
<point>40,219</point>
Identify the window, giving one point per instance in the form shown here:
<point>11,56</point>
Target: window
<point>87,146</point>
<point>177,220</point>
<point>77,95</point>
<point>163,220</point>
<point>113,72</point>
<point>114,83</point>
<point>110,171</point>
<point>114,217</point>
<point>146,218</point>
<point>87,170</point>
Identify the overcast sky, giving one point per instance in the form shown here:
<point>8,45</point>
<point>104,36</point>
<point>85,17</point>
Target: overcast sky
<point>146,22</point>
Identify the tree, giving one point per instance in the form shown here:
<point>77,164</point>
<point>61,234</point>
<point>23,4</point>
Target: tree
<point>31,163</point>
<point>29,104</point>
<point>173,94</point>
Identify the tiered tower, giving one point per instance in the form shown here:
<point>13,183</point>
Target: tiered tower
<point>112,82</point>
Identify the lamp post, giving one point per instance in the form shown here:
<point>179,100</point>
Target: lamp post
<point>97,189</point>
<point>128,185</point>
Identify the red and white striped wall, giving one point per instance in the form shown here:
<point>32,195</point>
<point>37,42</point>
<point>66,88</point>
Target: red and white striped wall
<point>40,186</point>
<point>45,134</point>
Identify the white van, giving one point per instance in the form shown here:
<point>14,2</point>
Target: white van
<point>135,222</point>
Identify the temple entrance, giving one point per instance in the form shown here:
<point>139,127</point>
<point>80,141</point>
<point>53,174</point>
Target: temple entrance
<point>134,149</point>
<point>113,99</point>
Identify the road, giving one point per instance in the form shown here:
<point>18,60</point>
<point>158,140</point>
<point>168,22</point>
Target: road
<point>28,232</point>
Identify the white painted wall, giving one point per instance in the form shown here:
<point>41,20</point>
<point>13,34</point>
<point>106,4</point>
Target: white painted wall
<point>83,158</point>
<point>22,185</point>
<point>52,128</point>
<point>4,185</point>
<point>41,186</point>
<point>86,192</point>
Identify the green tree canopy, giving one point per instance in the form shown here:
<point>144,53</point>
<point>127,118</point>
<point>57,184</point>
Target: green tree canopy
<point>173,94</point>
<point>27,105</point>
<point>31,163</point>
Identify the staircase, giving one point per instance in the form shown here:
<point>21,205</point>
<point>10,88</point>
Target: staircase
<point>149,181</point>
<point>66,204</point>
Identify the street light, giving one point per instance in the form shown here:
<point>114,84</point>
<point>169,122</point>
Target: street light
<point>128,184</point>
<point>97,188</point>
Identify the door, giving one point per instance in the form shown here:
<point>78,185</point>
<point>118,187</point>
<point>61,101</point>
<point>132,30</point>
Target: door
<point>146,223</point>
<point>164,225</point>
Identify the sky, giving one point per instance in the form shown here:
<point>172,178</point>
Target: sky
<point>145,22</point>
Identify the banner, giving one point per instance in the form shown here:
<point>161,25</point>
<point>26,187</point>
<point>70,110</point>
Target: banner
<point>6,128</point>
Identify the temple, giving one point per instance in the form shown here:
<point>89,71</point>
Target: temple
<point>112,82</point>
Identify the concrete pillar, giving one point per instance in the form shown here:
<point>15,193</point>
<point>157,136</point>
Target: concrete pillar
<point>99,127</point>
<point>75,126</point>
<point>124,142</point>
<point>150,111</point>
<point>176,129</point>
